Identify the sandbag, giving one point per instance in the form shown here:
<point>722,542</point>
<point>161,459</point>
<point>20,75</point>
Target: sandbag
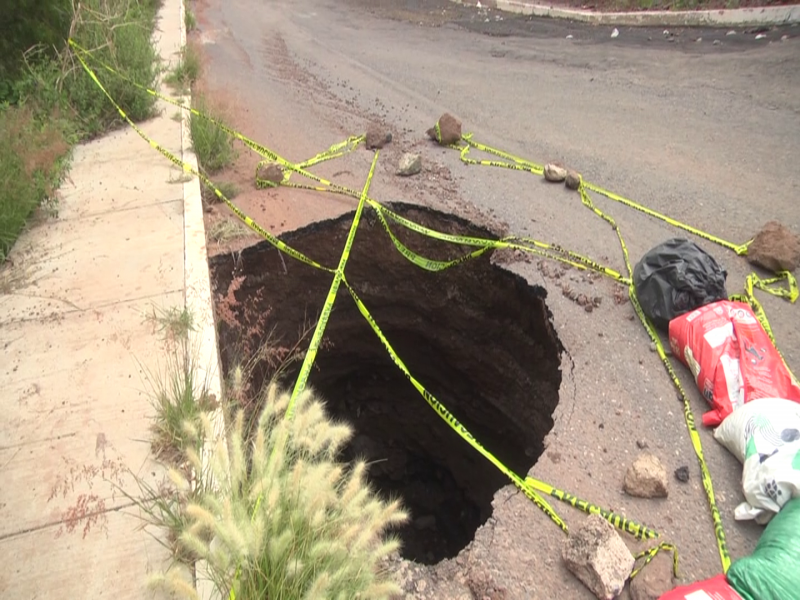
<point>716,588</point>
<point>772,572</point>
<point>731,357</point>
<point>676,277</point>
<point>765,436</point>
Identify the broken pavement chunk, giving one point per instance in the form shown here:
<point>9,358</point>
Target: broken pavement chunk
<point>775,247</point>
<point>596,554</point>
<point>646,478</point>
<point>447,130</point>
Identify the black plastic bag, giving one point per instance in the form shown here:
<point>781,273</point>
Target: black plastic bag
<point>677,277</point>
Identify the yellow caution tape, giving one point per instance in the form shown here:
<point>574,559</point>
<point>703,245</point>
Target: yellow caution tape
<point>319,330</point>
<point>649,554</point>
<point>529,486</point>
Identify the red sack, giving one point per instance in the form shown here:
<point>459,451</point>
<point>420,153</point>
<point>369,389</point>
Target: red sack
<point>731,357</point>
<point>716,588</point>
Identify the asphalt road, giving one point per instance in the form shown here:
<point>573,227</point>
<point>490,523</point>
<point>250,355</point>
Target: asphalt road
<point>707,133</point>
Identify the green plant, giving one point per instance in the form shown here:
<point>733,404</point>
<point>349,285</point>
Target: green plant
<point>32,156</point>
<point>189,20</point>
<point>226,231</point>
<point>212,145</point>
<point>185,72</point>
<point>174,323</point>
<point>116,33</point>
<point>283,518</point>
<point>177,394</point>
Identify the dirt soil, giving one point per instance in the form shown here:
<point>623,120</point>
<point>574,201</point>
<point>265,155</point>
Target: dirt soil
<point>499,377</point>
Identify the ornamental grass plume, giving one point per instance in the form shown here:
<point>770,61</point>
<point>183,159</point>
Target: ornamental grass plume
<point>284,520</point>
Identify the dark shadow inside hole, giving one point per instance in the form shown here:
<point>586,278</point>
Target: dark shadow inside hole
<point>478,337</point>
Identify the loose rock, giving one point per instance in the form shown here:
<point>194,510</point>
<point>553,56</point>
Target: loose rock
<point>596,554</point>
<point>646,478</point>
<point>446,131</point>
<point>555,172</point>
<point>410,164</point>
<point>775,247</point>
<point>573,180</point>
<point>377,137</point>
<point>682,474</point>
<point>272,172</point>
<point>654,580</point>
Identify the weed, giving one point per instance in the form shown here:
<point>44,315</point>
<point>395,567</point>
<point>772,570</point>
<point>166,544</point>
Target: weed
<point>285,519</point>
<point>177,116</point>
<point>227,230</point>
<point>32,155</point>
<point>177,394</point>
<point>212,145</point>
<point>174,323</point>
<point>185,72</point>
<point>189,20</point>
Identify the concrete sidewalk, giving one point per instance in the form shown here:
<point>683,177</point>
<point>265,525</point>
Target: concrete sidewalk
<point>77,346</point>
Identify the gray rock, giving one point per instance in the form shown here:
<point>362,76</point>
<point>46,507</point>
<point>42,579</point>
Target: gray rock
<point>646,478</point>
<point>573,180</point>
<point>596,554</point>
<point>555,172</point>
<point>775,248</point>
<point>410,164</point>
<point>654,580</point>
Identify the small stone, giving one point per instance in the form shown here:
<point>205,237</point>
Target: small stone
<point>731,32</point>
<point>653,347</point>
<point>717,42</point>
<point>272,173</point>
<point>597,556</point>
<point>377,136</point>
<point>775,248</point>
<point>449,130</point>
<point>698,40</point>
<point>410,164</point>
<point>654,580</point>
<point>573,180</point>
<point>646,478</point>
<point>682,474</point>
<point>421,586</point>
<point>784,38</point>
<point>615,33</point>
<point>761,36</point>
<point>588,308</point>
<point>555,172</point>
<point>569,37</point>
<point>641,444</point>
<point>666,32</point>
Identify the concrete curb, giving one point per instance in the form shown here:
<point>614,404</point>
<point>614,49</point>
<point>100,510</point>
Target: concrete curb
<point>197,286</point>
<point>738,17</point>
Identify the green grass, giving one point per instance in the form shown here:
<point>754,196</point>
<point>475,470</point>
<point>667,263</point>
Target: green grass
<point>32,156</point>
<point>226,230</point>
<point>185,72</point>
<point>212,145</point>
<point>285,519</point>
<point>189,19</point>
<point>51,103</point>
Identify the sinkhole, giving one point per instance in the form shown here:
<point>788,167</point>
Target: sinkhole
<point>477,336</point>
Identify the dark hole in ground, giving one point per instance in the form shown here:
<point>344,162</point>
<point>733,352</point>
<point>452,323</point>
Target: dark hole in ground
<point>477,336</point>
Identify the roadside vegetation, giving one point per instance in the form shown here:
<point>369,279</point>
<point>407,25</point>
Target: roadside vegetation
<point>47,101</point>
<point>268,508</point>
